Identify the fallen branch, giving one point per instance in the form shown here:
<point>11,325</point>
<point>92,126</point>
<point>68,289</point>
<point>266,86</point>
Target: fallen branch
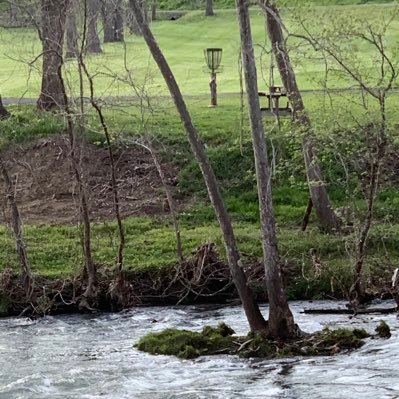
<point>351,311</point>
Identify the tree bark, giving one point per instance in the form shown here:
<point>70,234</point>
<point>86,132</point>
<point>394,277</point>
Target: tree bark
<point>154,10</point>
<point>93,44</point>
<point>52,36</point>
<point>114,184</point>
<point>306,216</point>
<point>13,13</point>
<point>317,187</point>
<point>16,224</point>
<point>112,17</point>
<point>255,319</point>
<point>172,208</point>
<point>213,87</point>
<point>76,148</point>
<point>134,25</point>
<point>4,113</point>
<point>357,294</point>
<point>71,31</point>
<point>209,8</point>
<point>281,323</point>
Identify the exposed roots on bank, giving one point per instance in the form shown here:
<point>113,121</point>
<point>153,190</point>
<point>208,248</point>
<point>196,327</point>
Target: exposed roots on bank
<point>221,340</point>
<point>202,278</point>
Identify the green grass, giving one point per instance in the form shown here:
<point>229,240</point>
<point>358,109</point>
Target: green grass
<point>223,4</point>
<point>55,250</point>
<point>19,47</point>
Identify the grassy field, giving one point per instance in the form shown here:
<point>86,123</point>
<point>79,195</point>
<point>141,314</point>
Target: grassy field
<point>55,250</point>
<point>20,77</point>
<point>222,4</point>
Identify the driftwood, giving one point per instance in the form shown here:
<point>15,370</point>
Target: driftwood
<point>351,311</point>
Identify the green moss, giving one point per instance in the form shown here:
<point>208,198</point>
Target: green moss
<point>188,344</point>
<point>180,343</point>
<point>219,340</point>
<point>383,330</point>
<point>343,338</point>
<point>258,347</point>
<point>222,330</point>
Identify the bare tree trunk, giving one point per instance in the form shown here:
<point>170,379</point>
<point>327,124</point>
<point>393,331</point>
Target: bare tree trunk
<point>213,87</point>
<point>93,44</point>
<point>76,147</point>
<point>134,25</point>
<point>281,323</point>
<point>306,216</point>
<point>255,319</point>
<point>154,10</point>
<point>4,113</point>
<point>16,224</point>
<point>13,13</point>
<point>357,292</point>
<point>119,22</point>
<point>71,31</point>
<point>172,208</point>
<point>114,184</point>
<point>52,36</point>
<point>317,187</point>
<point>209,8</point>
<point>107,19</point>
<point>112,17</point>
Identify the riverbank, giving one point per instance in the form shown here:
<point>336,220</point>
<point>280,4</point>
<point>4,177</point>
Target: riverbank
<point>201,279</point>
<point>315,265</point>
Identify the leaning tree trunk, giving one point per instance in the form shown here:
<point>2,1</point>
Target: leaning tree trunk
<point>52,36</point>
<point>209,8</point>
<point>112,17</point>
<point>255,319</point>
<point>281,323</point>
<point>71,31</point>
<point>93,44</point>
<point>16,224</point>
<point>317,187</point>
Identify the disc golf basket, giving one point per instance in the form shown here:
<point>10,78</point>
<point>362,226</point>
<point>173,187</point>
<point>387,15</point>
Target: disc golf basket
<point>213,58</point>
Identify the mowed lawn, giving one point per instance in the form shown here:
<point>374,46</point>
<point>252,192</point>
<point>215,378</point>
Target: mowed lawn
<point>183,42</point>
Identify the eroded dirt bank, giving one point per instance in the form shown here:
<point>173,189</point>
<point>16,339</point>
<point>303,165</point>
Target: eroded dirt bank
<point>46,190</point>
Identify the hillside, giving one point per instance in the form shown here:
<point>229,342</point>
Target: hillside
<point>35,146</point>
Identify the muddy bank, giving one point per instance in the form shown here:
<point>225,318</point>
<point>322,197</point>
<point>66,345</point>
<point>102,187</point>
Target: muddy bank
<point>46,190</point>
<point>201,279</point>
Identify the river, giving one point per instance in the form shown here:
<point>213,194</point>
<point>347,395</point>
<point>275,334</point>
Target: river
<point>90,357</point>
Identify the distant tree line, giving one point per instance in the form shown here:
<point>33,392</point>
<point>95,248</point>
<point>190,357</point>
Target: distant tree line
<point>113,13</point>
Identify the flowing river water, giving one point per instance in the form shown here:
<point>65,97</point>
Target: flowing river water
<point>87,357</point>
